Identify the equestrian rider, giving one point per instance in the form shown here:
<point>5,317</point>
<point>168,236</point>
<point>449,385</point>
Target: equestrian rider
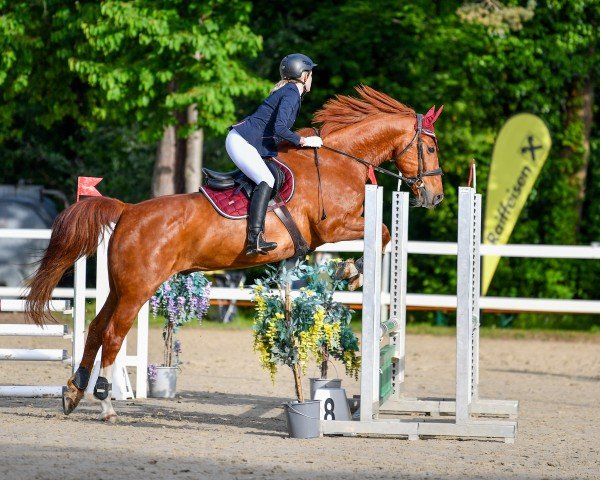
<point>257,136</point>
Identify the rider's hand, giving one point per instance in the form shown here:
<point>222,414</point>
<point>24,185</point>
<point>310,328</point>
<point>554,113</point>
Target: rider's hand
<point>314,142</point>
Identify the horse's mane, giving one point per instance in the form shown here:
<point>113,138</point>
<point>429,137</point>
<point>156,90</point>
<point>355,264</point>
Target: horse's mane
<point>343,110</point>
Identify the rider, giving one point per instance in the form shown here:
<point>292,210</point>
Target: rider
<point>257,136</point>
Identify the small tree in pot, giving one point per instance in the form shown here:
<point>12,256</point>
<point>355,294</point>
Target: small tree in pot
<point>286,330</point>
<point>181,299</point>
<point>337,339</point>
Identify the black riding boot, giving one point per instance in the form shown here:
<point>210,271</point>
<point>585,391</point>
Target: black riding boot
<point>256,221</point>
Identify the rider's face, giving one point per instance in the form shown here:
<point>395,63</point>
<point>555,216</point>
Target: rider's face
<point>307,80</point>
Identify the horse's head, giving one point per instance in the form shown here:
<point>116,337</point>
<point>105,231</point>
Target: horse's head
<point>375,126</point>
<point>416,157</point>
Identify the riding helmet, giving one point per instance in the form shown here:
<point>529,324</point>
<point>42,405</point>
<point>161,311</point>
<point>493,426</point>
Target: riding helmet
<point>294,64</point>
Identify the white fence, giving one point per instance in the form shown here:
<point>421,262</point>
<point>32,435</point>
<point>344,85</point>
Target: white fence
<point>121,384</point>
<point>448,302</point>
<point>413,300</point>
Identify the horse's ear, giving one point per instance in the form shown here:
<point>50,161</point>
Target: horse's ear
<point>430,113</point>
<point>437,114</point>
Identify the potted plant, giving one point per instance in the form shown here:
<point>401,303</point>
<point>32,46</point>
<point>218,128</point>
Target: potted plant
<point>286,330</point>
<point>179,300</point>
<point>337,340</point>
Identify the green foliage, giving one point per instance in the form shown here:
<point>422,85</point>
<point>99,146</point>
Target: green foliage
<point>85,86</point>
<point>30,69</point>
<point>55,161</point>
<point>70,71</point>
<point>146,59</point>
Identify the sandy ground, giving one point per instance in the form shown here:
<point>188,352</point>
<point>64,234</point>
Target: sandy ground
<point>227,421</point>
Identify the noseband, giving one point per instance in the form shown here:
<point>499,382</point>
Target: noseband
<point>417,180</point>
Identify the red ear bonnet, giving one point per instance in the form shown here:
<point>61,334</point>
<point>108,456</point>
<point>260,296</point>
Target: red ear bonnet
<point>430,117</point>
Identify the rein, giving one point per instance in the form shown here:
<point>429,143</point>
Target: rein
<point>410,181</point>
<point>366,163</point>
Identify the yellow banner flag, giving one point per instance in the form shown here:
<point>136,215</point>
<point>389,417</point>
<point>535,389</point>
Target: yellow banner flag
<point>519,154</point>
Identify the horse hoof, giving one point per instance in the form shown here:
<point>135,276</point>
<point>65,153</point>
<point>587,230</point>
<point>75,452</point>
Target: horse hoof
<point>68,404</point>
<point>355,282</point>
<point>109,418</point>
<point>71,397</point>
<point>345,270</point>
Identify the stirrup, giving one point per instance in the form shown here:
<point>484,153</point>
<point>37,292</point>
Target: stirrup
<point>261,246</point>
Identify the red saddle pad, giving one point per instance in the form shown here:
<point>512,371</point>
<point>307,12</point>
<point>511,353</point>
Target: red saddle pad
<point>233,204</point>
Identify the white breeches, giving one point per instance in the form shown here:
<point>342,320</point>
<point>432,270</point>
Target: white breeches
<point>247,159</point>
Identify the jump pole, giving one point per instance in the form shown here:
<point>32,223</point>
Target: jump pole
<point>463,424</point>
<point>30,354</point>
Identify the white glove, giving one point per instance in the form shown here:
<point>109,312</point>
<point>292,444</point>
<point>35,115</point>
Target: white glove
<point>314,142</point>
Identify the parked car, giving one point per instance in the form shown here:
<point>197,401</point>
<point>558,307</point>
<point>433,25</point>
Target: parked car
<point>24,206</point>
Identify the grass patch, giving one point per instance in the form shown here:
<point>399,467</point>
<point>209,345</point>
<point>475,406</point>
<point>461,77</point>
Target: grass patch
<point>510,333</point>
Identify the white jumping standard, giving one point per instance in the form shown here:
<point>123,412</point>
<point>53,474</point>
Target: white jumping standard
<point>122,388</point>
<point>376,417</point>
<point>29,354</point>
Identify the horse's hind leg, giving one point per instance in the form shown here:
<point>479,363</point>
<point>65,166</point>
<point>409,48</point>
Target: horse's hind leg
<point>78,382</point>
<point>115,332</point>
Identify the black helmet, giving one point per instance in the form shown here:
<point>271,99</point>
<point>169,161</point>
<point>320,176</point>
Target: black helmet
<point>293,65</point>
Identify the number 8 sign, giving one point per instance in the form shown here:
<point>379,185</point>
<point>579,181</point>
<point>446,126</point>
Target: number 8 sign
<point>334,405</point>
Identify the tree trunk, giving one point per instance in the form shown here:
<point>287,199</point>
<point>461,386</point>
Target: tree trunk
<point>193,151</point>
<point>298,382</point>
<point>580,110</point>
<point>586,115</point>
<point>325,362</point>
<point>164,176</point>
<point>168,335</point>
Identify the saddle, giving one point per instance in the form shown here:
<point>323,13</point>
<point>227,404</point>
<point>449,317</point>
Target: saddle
<point>229,193</point>
<point>236,179</point>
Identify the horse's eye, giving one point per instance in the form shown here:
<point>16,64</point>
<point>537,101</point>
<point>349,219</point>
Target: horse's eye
<point>431,149</point>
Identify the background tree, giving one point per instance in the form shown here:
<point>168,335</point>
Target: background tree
<point>173,64</point>
<point>485,61</point>
<point>90,87</point>
<point>169,68</point>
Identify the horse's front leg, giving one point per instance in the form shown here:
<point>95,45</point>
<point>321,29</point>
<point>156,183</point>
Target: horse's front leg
<point>352,269</point>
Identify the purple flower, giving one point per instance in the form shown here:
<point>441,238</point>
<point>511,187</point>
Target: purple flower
<point>182,298</point>
<point>177,347</point>
<point>202,306</point>
<point>152,372</point>
<point>171,310</point>
<point>155,303</point>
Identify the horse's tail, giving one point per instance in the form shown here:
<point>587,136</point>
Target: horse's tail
<point>75,233</point>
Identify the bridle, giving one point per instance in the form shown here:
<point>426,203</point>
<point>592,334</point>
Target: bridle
<point>417,180</point>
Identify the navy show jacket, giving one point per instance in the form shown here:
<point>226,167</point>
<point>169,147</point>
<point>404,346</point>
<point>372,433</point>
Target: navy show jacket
<point>272,121</point>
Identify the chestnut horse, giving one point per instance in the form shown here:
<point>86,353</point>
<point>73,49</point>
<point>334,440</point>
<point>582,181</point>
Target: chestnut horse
<point>157,238</point>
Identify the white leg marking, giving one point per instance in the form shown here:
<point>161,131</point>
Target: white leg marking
<point>108,413</point>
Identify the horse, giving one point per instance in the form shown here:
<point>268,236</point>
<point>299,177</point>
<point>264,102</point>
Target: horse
<point>157,238</point>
